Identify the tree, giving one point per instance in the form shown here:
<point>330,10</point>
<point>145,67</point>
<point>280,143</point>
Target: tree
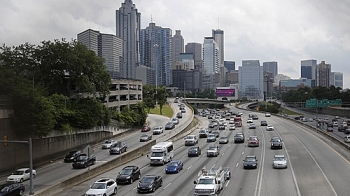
<point>208,93</point>
<point>161,96</point>
<point>148,96</point>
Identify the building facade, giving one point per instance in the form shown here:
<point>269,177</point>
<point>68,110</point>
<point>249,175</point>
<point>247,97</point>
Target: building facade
<point>128,21</point>
<point>271,67</point>
<point>188,80</point>
<point>145,74</point>
<point>251,79</point>
<point>211,62</point>
<point>308,69</point>
<point>196,50</point>
<point>323,74</point>
<point>218,36</point>
<point>230,65</point>
<point>337,79</point>
<point>177,44</point>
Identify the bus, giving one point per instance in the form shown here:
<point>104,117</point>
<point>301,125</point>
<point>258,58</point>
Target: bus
<point>161,153</point>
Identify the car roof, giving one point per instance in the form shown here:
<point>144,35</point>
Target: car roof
<point>130,166</point>
<point>250,156</point>
<point>104,180</point>
<point>280,155</point>
<point>22,169</point>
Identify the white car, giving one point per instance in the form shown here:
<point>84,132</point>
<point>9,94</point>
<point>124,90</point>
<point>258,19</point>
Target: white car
<point>20,175</point>
<point>267,115</point>
<point>104,187</point>
<point>157,130</point>
<point>108,143</point>
<point>250,120</point>
<point>270,128</point>
<point>232,127</point>
<point>335,124</point>
<point>231,122</point>
<point>280,161</point>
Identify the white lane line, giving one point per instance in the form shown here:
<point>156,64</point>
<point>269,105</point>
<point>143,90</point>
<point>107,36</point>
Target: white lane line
<point>167,186</point>
<point>189,167</point>
<point>242,152</point>
<point>237,164</point>
<point>228,182</point>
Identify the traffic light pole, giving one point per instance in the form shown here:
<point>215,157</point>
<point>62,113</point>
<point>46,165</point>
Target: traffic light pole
<point>29,142</point>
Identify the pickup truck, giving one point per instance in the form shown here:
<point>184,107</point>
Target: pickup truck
<point>210,182</point>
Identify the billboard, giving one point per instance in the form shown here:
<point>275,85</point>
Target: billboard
<point>225,92</point>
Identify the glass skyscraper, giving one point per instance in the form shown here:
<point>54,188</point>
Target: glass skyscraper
<point>251,78</point>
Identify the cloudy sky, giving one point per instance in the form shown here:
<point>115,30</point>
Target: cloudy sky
<point>269,30</point>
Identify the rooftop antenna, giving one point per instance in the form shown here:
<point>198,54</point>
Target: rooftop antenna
<point>151,19</point>
<point>218,23</point>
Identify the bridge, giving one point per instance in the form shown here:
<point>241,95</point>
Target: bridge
<point>206,100</point>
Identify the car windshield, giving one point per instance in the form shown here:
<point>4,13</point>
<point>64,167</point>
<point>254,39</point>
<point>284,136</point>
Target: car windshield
<point>202,131</point>
<point>144,135</point>
<point>157,154</point>
<point>206,181</point>
<point>147,180</point>
<point>249,159</point>
<point>190,137</point>
<point>98,186</point>
<point>156,128</point>
<point>239,135</point>
<point>108,142</point>
<point>279,159</point>
<point>253,138</point>
<point>211,135</point>
<point>4,189</point>
<point>126,171</point>
<point>173,164</point>
<point>192,149</point>
<point>212,147</point>
<point>223,138</point>
<point>18,173</point>
<point>82,158</point>
<point>276,140</point>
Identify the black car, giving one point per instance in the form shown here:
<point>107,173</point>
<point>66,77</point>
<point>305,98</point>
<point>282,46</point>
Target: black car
<point>263,123</point>
<point>118,148</point>
<point>194,151</point>
<point>179,115</point>
<point>169,126</point>
<point>250,162</point>
<point>128,175</point>
<point>83,161</point>
<point>11,188</point>
<point>276,142</point>
<point>239,138</point>
<point>216,133</point>
<point>149,183</point>
<point>342,128</point>
<point>71,156</point>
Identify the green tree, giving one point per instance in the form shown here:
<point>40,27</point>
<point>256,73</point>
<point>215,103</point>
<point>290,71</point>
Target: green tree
<point>207,93</point>
<point>148,96</point>
<point>161,96</point>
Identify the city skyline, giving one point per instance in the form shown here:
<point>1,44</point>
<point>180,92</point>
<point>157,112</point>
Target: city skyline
<point>287,34</point>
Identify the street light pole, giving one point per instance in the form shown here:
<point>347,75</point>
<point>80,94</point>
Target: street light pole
<point>156,58</point>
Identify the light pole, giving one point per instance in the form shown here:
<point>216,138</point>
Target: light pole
<point>156,59</point>
<point>316,109</point>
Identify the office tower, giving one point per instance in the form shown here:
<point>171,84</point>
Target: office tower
<point>155,47</point>
<point>211,62</point>
<point>196,50</point>
<point>128,22</point>
<point>146,74</point>
<point>230,65</point>
<point>323,74</point>
<point>308,69</point>
<point>107,46</point>
<point>251,79</point>
<point>336,79</point>
<point>177,46</point>
<point>271,67</point>
<point>218,36</point>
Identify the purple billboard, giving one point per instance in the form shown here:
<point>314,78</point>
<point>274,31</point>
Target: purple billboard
<point>225,92</point>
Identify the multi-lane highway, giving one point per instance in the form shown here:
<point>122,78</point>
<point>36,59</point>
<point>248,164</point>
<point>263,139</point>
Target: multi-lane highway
<point>315,165</point>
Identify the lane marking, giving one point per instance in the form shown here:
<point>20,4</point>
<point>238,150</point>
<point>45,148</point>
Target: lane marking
<point>167,186</point>
<point>237,164</point>
<point>228,182</point>
<point>189,167</point>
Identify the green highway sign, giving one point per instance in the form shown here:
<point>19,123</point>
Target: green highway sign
<point>324,103</point>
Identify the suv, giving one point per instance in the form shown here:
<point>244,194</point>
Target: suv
<point>157,130</point>
<point>203,133</point>
<point>263,123</point>
<point>118,148</point>
<point>276,142</point>
<point>103,186</point>
<point>191,140</point>
<point>107,144</point>
<point>71,156</point>
<point>83,161</point>
<point>213,150</point>
<point>194,151</point>
<point>128,175</point>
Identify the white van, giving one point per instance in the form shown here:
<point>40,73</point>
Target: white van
<point>347,138</point>
<point>161,153</point>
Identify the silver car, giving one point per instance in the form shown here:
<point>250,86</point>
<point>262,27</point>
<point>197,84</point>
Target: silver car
<point>279,161</point>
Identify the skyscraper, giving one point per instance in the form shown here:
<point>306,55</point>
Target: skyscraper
<point>218,36</point>
<point>107,46</point>
<point>230,65</point>
<point>211,62</point>
<point>155,47</point>
<point>308,69</point>
<point>271,67</point>
<point>196,50</point>
<point>337,79</point>
<point>128,22</point>
<point>323,74</point>
<point>251,78</point>
<point>177,46</point>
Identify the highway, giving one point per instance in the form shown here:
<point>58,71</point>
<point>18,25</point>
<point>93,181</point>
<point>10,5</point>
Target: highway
<point>315,165</point>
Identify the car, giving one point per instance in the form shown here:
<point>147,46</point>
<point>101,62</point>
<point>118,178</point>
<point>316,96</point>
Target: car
<point>104,186</point>
<point>83,161</point>
<point>253,141</point>
<point>128,175</point>
<point>227,173</point>
<point>267,114</point>
<point>12,188</point>
<point>276,142</point>
<point>191,140</point>
<point>145,128</point>
<point>232,127</point>
<point>179,115</point>
<point>211,125</point>
<point>335,124</point>
<point>145,137</point>
<point>175,121</point>
<point>250,162</point>
<point>250,120</point>
<point>211,138</point>
<point>223,140</point>
<point>330,129</point>
<point>194,151</point>
<point>239,137</point>
<point>270,128</point>
<point>347,138</point>
<point>157,130</point>
<point>169,126</point>
<point>213,150</point>
<point>175,166</point>
<point>20,175</point>
<point>231,122</point>
<point>216,133</point>
<point>255,117</point>
<point>263,123</point>
<point>342,127</point>
<point>203,133</point>
<point>108,143</point>
<point>252,126</point>
<point>210,117</point>
<point>118,148</point>
<point>279,161</point>
<point>221,126</point>
<point>71,156</point>
<point>149,183</point>
<point>183,110</point>
<point>347,131</point>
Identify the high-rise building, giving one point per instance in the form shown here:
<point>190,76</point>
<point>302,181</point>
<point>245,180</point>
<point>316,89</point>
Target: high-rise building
<point>337,79</point>
<point>308,69</point>
<point>323,74</point>
<point>271,67</point>
<point>177,46</point>
<point>196,50</point>
<point>128,21</point>
<point>251,79</point>
<point>218,36</point>
<point>211,62</point>
<point>155,47</point>
<point>146,74</point>
<point>107,46</point>
<point>230,65</point>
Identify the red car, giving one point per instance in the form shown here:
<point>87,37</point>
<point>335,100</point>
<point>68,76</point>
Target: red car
<point>253,141</point>
<point>145,129</point>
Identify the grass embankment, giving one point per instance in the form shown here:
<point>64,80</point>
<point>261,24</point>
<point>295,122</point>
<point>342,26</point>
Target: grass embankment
<point>166,111</point>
